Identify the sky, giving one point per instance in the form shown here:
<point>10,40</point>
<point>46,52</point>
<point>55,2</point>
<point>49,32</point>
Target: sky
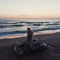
<point>29,8</point>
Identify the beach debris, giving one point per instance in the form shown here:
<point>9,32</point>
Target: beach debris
<point>24,47</point>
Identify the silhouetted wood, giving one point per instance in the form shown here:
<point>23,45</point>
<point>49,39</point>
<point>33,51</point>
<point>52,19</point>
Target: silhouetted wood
<point>24,47</point>
<point>29,35</point>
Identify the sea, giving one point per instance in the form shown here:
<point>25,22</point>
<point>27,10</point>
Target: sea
<point>12,28</point>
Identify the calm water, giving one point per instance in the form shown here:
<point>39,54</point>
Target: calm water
<point>19,26</point>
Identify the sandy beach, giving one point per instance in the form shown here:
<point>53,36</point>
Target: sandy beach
<point>7,53</point>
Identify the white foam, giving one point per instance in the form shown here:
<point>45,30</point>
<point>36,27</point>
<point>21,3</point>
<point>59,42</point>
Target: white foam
<point>25,34</point>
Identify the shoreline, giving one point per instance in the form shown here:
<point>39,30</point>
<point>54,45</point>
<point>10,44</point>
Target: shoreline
<point>7,53</point>
<point>25,34</point>
<point>41,37</point>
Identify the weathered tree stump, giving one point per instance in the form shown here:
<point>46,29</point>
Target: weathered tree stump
<point>24,47</point>
<point>29,36</point>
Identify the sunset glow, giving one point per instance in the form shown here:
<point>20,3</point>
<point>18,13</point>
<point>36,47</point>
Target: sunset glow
<point>29,8</point>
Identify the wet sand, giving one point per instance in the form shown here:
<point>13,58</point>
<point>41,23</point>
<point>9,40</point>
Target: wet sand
<point>7,53</point>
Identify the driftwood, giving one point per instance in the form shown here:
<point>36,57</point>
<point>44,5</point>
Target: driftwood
<point>29,35</point>
<point>23,47</point>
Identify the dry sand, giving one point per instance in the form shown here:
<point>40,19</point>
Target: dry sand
<point>7,53</point>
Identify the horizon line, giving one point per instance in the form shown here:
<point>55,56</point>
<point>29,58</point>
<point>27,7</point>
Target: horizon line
<point>30,17</point>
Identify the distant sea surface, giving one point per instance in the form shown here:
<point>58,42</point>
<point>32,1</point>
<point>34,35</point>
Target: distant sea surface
<point>18,27</point>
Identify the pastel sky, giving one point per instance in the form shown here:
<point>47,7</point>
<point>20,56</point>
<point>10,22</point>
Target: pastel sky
<point>29,8</point>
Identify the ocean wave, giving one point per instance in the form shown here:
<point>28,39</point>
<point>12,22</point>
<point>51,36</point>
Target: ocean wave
<point>10,27</point>
<point>20,24</point>
<point>24,31</point>
<point>13,32</point>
